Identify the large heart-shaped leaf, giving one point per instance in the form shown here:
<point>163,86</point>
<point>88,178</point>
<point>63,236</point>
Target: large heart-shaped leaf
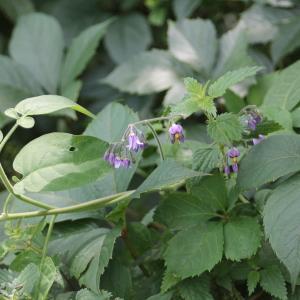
<point>59,161</point>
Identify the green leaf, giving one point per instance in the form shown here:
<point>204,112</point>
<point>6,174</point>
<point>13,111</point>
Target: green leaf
<point>195,250</point>
<point>266,127</point>
<point>72,90</point>
<point>127,36</point>
<point>275,157</point>
<point>37,44</point>
<point>225,129</point>
<point>87,253</point>
<point>272,281</point>
<point>81,51</point>
<point>181,210</point>
<point>279,115</point>
<point>23,259</point>
<point>286,40</point>
<point>48,275</point>
<point>27,279</point>
<point>145,73</point>
<point>166,296</point>
<point>219,87</point>
<point>285,90</point>
<point>252,281</point>
<point>183,9</point>
<point>233,51</point>
<point>85,294</point>
<point>26,122</point>
<point>109,125</point>
<point>16,8</point>
<point>193,42</point>
<point>206,158</point>
<point>233,102</point>
<point>168,281</point>
<point>242,237</point>
<point>47,104</point>
<point>59,161</point>
<point>195,289</point>
<point>166,175</point>
<point>282,224</point>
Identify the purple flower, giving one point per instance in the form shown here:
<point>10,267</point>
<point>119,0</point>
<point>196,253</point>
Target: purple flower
<point>233,152</point>
<point>253,120</point>
<point>227,170</point>
<point>235,168</point>
<point>135,143</point>
<point>260,138</point>
<point>121,163</point>
<point>176,133</point>
<point>117,156</point>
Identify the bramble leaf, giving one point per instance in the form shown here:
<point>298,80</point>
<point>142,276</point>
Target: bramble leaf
<point>252,281</point>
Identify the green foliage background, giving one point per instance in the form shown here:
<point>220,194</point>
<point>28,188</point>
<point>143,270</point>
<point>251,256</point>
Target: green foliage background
<point>159,230</point>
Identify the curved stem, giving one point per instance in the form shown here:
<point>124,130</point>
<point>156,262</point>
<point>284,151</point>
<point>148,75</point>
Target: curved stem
<point>7,137</point>
<point>5,206</point>
<point>157,141</point>
<point>45,249</point>
<point>90,205</point>
<point>155,120</point>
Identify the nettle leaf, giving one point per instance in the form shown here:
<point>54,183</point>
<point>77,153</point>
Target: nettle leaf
<point>37,44</point>
<point>59,161</point>
<point>195,100</point>
<point>145,73</point>
<point>219,87</point>
<point>282,224</point>
<point>48,274</point>
<point>82,49</point>
<point>225,129</point>
<point>181,210</point>
<point>196,250</point>
<point>274,157</point>
<point>252,281</point>
<point>86,253</point>
<point>266,127</point>
<point>242,237</point>
<point>167,174</point>
<point>272,281</point>
<point>193,42</point>
<point>195,288</point>
<point>206,158</point>
<point>285,89</point>
<point>47,104</point>
<point>127,36</point>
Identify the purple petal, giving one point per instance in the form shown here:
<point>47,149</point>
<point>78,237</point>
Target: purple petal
<point>235,168</point>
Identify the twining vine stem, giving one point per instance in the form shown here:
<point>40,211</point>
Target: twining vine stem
<point>161,153</point>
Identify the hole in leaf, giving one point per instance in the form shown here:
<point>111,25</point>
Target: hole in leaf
<point>72,149</point>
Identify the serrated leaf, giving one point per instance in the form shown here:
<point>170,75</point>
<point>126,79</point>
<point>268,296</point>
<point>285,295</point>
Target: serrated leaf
<point>48,274</point>
<point>180,210</point>
<point>274,157</point>
<point>252,281</point>
<point>272,281</point>
<point>242,237</point>
<point>26,122</point>
<point>266,127</point>
<point>195,250</point>
<point>127,36</point>
<point>285,89</point>
<point>37,44</point>
<point>76,160</point>
<point>225,129</point>
<point>195,289</point>
<point>219,87</point>
<point>166,175</point>
<point>206,158</point>
<point>168,281</point>
<point>86,253</point>
<point>47,104</point>
<point>82,49</point>
<point>282,224</point>
<point>193,42</point>
<point>86,294</point>
<point>187,107</point>
<point>145,73</point>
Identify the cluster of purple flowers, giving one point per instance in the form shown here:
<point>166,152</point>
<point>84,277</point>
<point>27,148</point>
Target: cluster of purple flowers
<point>232,161</point>
<point>119,155</point>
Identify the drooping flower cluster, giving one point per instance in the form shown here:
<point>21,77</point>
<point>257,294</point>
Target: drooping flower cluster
<point>232,161</point>
<point>176,133</point>
<point>259,139</point>
<point>251,117</point>
<point>136,140</point>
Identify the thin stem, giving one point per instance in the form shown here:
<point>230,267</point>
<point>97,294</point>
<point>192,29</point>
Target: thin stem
<point>157,141</point>
<point>155,120</point>
<point>8,135</point>
<point>5,205</point>
<point>90,205</point>
<point>45,249</point>
<point>243,199</point>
